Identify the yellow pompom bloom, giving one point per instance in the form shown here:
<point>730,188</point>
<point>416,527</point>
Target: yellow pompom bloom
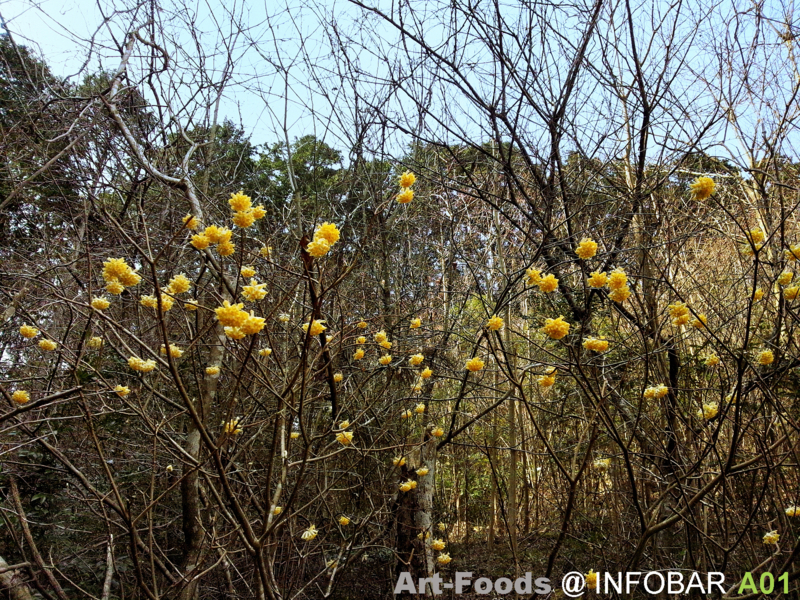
<point>362,325</point>
<point>702,188</point>
<point>765,357</point>
<point>416,359</point>
<point>586,249</point>
<point>793,253</point>
<point>700,321</point>
<point>255,291</point>
<point>277,510</point>
<point>359,354</point>
<point>318,247</point>
<point>399,461</point>
<point>771,537</point>
<point>328,232</point>
<point>758,295</point>
<point>239,201</point>
<point>95,343</point>
<point>234,333</point>
<point>495,323</point>
<point>244,219</point>
<point>283,318</point>
<point>380,336</point>
<point>179,284</point>
<point>130,278</point>
<point>427,372</point>
<point>473,365</point>
<point>792,511</point>
<point>190,222</point>
<point>598,279</point>
<point>21,397</point>
<point>294,435</point>
<point>437,432</point>
<point>338,377</point>
<point>317,327</point>
<point>226,248</point>
<point>620,294</point>
<point>345,438</point>
<point>407,179</point>
<point>546,381</point>
<point>617,279</point>
<point>682,320</point>
<point>678,309</point>
<point>200,241</point>
<point>443,559</point>
<point>361,340</point>
<point>601,464</point>
<point>422,471</point>
<point>785,278</point>
<point>122,390</point>
<point>232,427</point>
<point>595,344</point>
<point>309,534</point>
<point>405,196</point>
<point>406,413</point>
<point>247,271</point>
<point>548,283</point>
<point>174,351</point>
<point>415,324</point>
<point>114,269</point>
<point>658,391</point>
<point>712,360</point>
<point>231,315</point>
<point>344,521</point>
<point>149,301</point>
<point>213,370</point>
<point>252,324</point>
<point>47,345</point>
<point>790,293</point>
<point>419,408</point>
<point>218,235</point>
<point>143,366</point>
<point>556,328</point>
<point>408,485</point>
<point>534,276</point>
<point>386,344</point>
<point>115,288</point>
<point>344,424</point>
<point>100,303</point>
<point>258,212</point>
<point>591,580</point>
<point>385,359</point>
<point>438,544</point>
<point>756,236</point>
<point>265,251</point>
<point>28,331</point>
<point>265,352</point>
<point>709,411</point>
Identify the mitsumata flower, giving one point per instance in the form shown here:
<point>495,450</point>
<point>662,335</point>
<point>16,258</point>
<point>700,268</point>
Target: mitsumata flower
<point>657,391</point>
<point>785,278</point>
<point>405,196</point>
<point>408,485</point>
<point>317,327</point>
<point>793,253</point>
<point>21,397</point>
<point>712,360</point>
<point>426,373</point>
<point>438,544</point>
<point>122,390</point>
<point>437,432</point>
<point>556,328</point>
<point>190,222</point>
<point>586,249</point>
<point>534,276</point>
<point>380,336</point>
<point>239,202</point>
<point>709,411</point>
<point>255,291</point>
<point>232,427</point>
<point>178,284</point>
<point>595,344</point>
<point>443,559</point>
<point>345,438</point>
<point>337,377</point>
<point>407,179</point>
<point>265,352</point>
<point>28,331</point>
<point>473,364</point>
<point>247,271</point>
<point>495,323</point>
<point>399,461</point>
<point>344,521</point>
<point>792,511</point>
<point>416,359</point>
<point>309,534</point>
<point>771,537</point>
<point>422,471</point>
<point>548,283</point>
<point>617,279</point>
<point>765,357</point>
<point>702,188</point>
<point>174,351</point>
<point>415,323</point>
<point>100,303</point>
<point>47,345</point>
<point>359,354</point>
<point>385,359</point>
<point>406,413</point>
<point>601,464</point>
<point>213,370</point>
<point>143,366</point>
<point>598,279</point>
<point>591,580</point>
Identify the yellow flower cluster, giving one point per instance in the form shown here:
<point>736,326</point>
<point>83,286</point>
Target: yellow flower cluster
<point>595,344</point>
<point>712,360</point>
<point>344,521</point>
<point>556,328</point>
<point>345,438</point>
<point>598,279</point>
<point>702,188</point>
<point>657,391</point>
<point>399,461</point>
<point>709,411</point>
<point>28,331</point>
<point>143,366</point>
<point>473,365</point>
<point>338,377</point>
<point>792,511</point>
<point>785,278</point>
<point>265,352</point>
<point>793,253</point>
<point>118,275</point>
<point>586,249</point>
<point>547,380</point>
<point>416,359</point>
<point>178,284</point>
<point>435,432</point>
<point>212,370</point>
<point>21,397</point>
<point>317,327</point>
<point>408,485</point>
<point>700,321</point>
<point>601,464</point>
<point>232,427</point>
<point>309,534</point>
<point>385,359</point>
<point>438,544</point>
<point>95,343</point>
<point>122,390</point>
<point>47,345</point>
<point>191,222</point>
<point>771,537</point>
<point>790,293</point>
<point>765,357</point>
<point>534,276</point>
<point>100,303</point>
<point>406,194</point>
<point>422,471</point>
<point>174,351</point>
<point>406,413</point>
<point>152,302</point>
<point>679,313</point>
<point>759,294</point>
<point>548,283</point>
<point>427,372</point>
<point>191,305</point>
<point>443,559</point>
<point>244,213</point>
<point>325,236</point>
<point>237,322</point>
<point>618,284</point>
<point>221,236</point>
<point>591,580</point>
<point>415,324</point>
<point>255,291</point>
<point>359,354</point>
<point>495,323</point>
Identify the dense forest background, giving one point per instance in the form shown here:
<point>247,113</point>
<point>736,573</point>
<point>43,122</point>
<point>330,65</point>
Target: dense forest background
<point>522,296</point>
